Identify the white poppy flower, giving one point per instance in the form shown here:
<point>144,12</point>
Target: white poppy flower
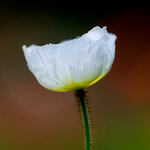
<point>73,64</point>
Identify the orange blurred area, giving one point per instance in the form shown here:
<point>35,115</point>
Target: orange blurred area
<point>132,55</point>
<point>34,118</point>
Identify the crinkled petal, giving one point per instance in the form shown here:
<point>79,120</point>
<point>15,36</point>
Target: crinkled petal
<point>73,64</point>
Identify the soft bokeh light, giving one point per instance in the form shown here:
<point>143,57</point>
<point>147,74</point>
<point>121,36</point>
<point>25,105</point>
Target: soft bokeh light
<point>34,118</point>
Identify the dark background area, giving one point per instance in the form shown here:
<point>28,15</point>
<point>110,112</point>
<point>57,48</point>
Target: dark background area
<point>80,9</point>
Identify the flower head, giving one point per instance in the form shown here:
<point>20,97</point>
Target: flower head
<point>72,64</point>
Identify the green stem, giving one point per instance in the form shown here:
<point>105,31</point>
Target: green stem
<point>81,97</point>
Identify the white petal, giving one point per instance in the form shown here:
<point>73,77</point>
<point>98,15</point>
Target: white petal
<point>72,64</point>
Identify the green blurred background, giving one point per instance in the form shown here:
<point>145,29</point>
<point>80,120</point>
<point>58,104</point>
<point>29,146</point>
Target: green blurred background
<point>33,118</point>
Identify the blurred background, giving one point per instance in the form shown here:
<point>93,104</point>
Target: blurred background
<point>33,118</point>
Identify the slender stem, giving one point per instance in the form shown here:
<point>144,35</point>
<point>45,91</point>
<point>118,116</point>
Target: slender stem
<point>80,94</point>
